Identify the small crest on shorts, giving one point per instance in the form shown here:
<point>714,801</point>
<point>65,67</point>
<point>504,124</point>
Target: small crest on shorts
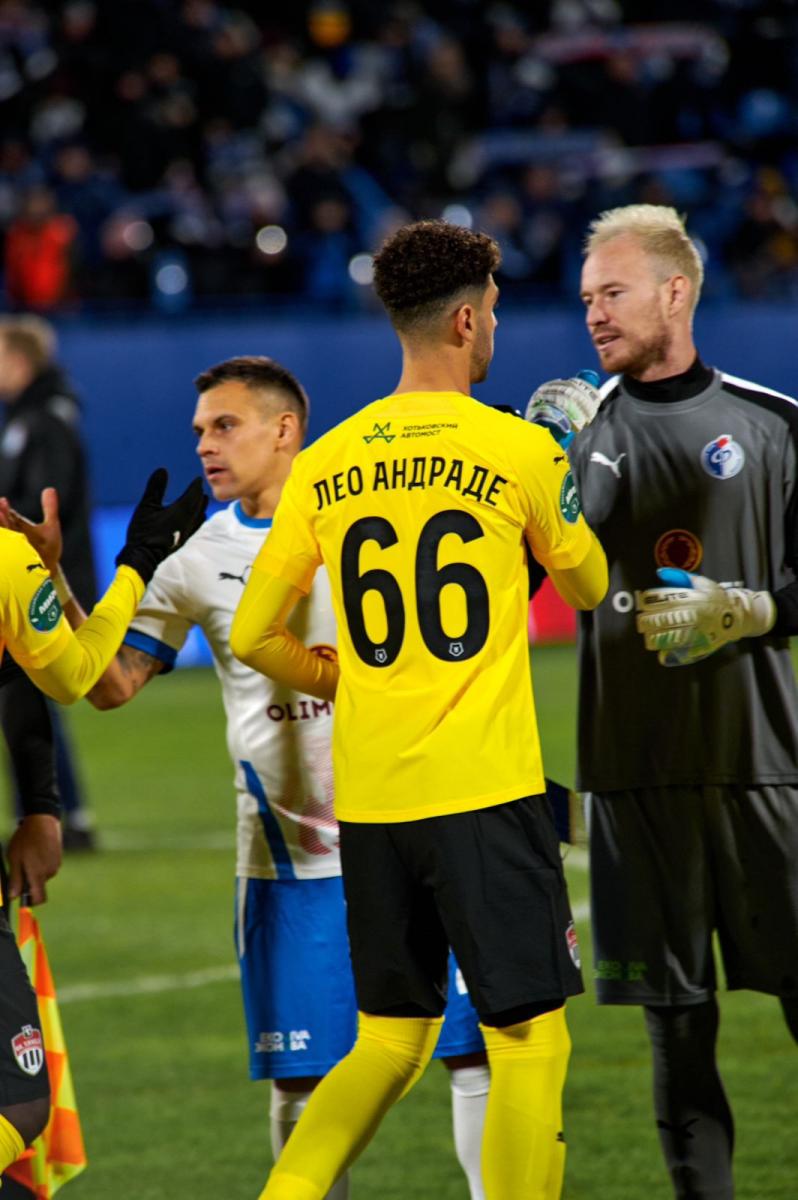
<point>28,1048</point>
<point>723,458</point>
<point>572,942</point>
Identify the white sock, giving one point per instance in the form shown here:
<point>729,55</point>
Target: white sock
<point>285,1109</point>
<point>470,1087</point>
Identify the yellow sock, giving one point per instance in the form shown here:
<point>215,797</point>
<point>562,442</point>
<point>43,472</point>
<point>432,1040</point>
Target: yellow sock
<point>523,1152</point>
<point>11,1144</point>
<point>346,1108</point>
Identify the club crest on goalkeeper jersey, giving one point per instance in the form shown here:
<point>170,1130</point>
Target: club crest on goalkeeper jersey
<point>279,741</point>
<point>706,484</point>
<point>32,626</point>
<point>419,506</point>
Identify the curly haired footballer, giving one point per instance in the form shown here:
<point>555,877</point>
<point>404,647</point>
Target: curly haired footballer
<point>423,267</point>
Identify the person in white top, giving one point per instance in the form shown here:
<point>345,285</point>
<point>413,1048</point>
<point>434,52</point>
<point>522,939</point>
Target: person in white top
<point>291,937</point>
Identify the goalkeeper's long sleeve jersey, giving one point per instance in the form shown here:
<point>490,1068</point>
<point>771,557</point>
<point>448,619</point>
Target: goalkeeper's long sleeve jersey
<point>697,472</point>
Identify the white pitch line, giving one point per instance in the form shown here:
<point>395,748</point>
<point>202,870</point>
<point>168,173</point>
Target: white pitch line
<point>146,985</point>
<point>575,857</point>
<point>151,985</point>
<point>123,841</point>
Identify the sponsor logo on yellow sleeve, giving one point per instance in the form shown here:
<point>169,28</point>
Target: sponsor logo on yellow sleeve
<point>45,608</point>
<point>569,500</point>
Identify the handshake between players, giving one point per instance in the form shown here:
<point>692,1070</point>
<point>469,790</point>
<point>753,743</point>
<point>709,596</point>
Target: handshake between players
<point>79,649</point>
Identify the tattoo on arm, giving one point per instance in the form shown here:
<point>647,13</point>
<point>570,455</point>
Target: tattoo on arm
<point>139,666</point>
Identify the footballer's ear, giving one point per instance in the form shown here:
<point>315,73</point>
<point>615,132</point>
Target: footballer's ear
<point>465,322</point>
<point>679,293</point>
<point>289,427</point>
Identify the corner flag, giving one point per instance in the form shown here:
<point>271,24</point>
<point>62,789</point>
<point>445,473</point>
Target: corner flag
<point>58,1154</point>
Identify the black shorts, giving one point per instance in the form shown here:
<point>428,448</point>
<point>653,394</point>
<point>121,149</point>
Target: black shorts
<point>670,867</point>
<point>23,1069</point>
<point>489,883</point>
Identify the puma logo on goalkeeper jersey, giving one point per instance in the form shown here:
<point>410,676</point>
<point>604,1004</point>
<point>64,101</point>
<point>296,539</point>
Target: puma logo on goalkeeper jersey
<point>614,464</point>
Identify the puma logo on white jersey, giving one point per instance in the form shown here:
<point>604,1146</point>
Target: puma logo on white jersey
<point>614,464</point>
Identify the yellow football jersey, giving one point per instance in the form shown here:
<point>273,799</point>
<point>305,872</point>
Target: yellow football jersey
<point>419,506</point>
<point>32,625</point>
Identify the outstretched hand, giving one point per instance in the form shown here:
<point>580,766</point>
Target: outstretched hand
<point>44,536</point>
<point>157,529</point>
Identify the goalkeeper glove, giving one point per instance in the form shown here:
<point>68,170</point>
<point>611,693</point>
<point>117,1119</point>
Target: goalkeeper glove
<point>155,529</point>
<point>565,406</point>
<point>693,616</point>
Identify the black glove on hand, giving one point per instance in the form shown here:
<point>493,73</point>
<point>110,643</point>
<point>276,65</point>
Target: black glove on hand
<point>155,529</point>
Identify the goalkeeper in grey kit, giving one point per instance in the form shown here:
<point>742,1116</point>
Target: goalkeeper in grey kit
<point>688,736</point>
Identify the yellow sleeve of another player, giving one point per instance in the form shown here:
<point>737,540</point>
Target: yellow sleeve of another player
<point>585,585</point>
<point>556,530</point>
<point>88,650</point>
<point>291,551</point>
<point>282,572</point>
<point>261,638</point>
<point>62,663</point>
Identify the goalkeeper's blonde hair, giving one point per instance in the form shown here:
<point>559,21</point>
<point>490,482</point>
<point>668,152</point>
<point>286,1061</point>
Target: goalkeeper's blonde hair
<point>660,231</point>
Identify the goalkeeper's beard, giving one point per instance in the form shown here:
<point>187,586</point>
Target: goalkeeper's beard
<point>637,356</point>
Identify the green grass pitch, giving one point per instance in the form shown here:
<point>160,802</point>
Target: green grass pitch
<point>139,938</point>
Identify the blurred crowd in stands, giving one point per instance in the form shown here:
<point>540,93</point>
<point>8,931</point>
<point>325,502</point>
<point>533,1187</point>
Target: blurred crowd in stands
<point>176,152</point>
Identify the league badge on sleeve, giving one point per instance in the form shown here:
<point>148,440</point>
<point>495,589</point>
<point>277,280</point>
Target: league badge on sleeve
<point>569,500</point>
<point>723,458</point>
<point>45,608</point>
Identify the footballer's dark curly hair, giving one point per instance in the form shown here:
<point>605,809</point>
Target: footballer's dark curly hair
<point>423,267</point>
<point>258,373</point>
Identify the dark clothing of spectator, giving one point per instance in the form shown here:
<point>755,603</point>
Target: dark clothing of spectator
<point>41,447</point>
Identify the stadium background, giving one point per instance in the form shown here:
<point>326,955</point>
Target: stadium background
<point>183,181</point>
